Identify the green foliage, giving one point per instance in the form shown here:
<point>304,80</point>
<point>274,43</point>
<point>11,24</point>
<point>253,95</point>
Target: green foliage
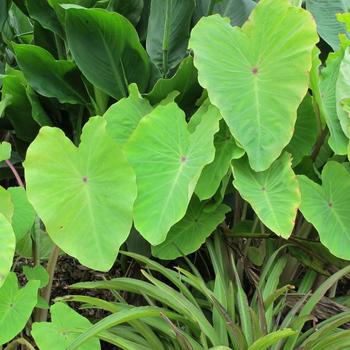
<point>168,121</point>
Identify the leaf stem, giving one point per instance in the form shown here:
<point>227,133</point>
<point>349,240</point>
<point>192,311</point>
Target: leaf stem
<point>51,266</point>
<point>20,341</point>
<point>319,143</point>
<point>15,173</point>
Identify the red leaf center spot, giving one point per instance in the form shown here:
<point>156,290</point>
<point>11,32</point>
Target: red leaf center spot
<point>183,159</point>
<point>330,204</point>
<point>255,70</point>
<point>85,179</point>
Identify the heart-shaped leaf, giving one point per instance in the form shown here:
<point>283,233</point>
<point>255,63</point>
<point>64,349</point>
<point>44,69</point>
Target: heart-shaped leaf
<point>91,190</point>
<point>123,116</point>
<point>258,75</point>
<point>23,214</point>
<point>327,207</point>
<point>117,59</point>
<point>64,328</point>
<point>226,149</point>
<point>16,306</point>
<point>273,194</point>
<point>6,205</point>
<point>168,160</point>
<point>186,236</point>
<point>37,273</point>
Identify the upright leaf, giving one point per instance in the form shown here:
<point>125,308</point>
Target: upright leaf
<point>64,328</point>
<point>117,59</point>
<point>328,80</point>
<point>168,160</point>
<point>7,252</point>
<point>273,194</point>
<point>91,189</point>
<point>18,110</point>
<point>187,235</point>
<point>5,151</point>
<point>168,32</point>
<point>23,214</point>
<point>327,207</point>
<point>248,74</point>
<point>342,92</point>
<point>324,12</point>
<point>50,77</point>
<point>16,306</point>
<point>123,116</point>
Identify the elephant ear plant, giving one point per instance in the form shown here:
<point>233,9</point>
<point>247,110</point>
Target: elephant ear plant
<point>167,121</point>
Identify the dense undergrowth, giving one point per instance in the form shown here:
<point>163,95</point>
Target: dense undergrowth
<point>192,156</point>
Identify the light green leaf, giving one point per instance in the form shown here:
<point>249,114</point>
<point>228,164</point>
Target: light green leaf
<point>328,79</point>
<point>342,92</point>
<point>91,189</point>
<point>5,151</point>
<point>65,327</point>
<point>23,214</point>
<point>16,306</point>
<point>324,12</point>
<point>327,207</point>
<point>36,273</point>
<point>5,101</point>
<point>187,235</point>
<point>248,74</point>
<point>226,149</point>
<point>273,194</point>
<point>8,245</point>
<point>168,32</point>
<point>50,77</point>
<point>117,59</point>
<point>306,131</point>
<point>123,116</point>
<point>6,205</point>
<point>168,160</point>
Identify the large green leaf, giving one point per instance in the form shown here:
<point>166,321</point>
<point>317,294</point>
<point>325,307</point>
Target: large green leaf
<point>324,12</point>
<point>186,236</point>
<point>18,110</point>
<point>8,245</point>
<point>273,194</point>
<point>50,77</point>
<point>328,80</point>
<point>226,149</point>
<point>91,190</point>
<point>117,58</point>
<point>123,116</point>
<point>327,207</point>
<point>168,160</point>
<point>168,32</point>
<point>342,92</point>
<point>64,328</point>
<point>23,214</point>
<point>258,75</point>
<point>306,131</point>
<point>16,306</point>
